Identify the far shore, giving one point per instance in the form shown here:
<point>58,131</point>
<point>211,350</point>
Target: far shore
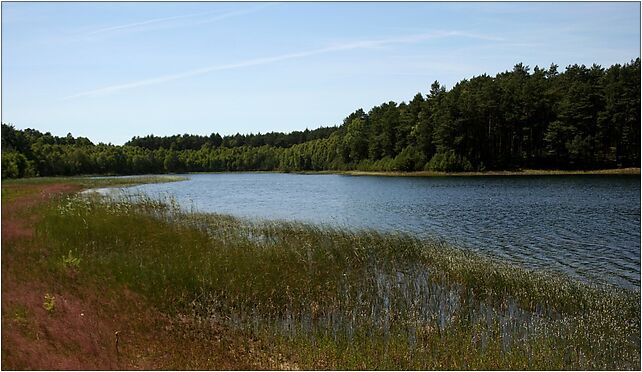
<point>173,176</point>
<point>522,172</point>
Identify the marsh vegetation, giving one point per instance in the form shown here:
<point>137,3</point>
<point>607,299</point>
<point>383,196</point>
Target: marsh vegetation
<point>316,297</point>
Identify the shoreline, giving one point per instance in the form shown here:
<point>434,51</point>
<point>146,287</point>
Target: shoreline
<point>523,172</point>
<point>178,176</point>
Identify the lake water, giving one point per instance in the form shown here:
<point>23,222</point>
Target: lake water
<point>585,226</point>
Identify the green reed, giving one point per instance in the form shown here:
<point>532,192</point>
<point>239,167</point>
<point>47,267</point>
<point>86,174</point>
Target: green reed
<point>338,299</point>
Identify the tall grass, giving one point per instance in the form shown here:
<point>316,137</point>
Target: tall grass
<point>329,298</point>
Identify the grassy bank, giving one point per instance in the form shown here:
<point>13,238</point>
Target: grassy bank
<point>21,187</point>
<point>93,182</point>
<point>291,295</point>
<point>75,331</point>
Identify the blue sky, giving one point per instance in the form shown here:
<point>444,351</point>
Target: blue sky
<point>110,71</point>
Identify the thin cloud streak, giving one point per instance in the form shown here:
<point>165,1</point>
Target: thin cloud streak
<point>234,14</point>
<point>143,23</point>
<point>219,16</point>
<point>412,39</point>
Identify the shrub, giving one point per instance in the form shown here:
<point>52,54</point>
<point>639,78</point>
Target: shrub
<point>409,159</point>
<point>449,162</point>
<point>384,164</point>
<point>16,165</point>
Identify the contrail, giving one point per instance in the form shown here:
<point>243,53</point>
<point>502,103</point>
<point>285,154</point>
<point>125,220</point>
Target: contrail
<point>364,44</point>
<point>143,23</point>
<point>217,17</point>
<point>235,13</point>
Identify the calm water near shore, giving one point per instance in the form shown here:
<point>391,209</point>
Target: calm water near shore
<point>585,226</point>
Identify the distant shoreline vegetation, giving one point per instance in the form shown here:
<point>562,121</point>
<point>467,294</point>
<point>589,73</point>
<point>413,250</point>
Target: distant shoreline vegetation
<point>521,172</point>
<point>585,118</point>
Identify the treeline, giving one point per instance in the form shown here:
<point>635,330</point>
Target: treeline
<point>584,117</point>
<point>195,142</point>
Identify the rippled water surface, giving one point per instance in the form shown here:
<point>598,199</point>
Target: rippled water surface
<point>585,226</point>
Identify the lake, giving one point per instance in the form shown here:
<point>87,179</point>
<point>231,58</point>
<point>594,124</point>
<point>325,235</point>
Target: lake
<point>585,226</point>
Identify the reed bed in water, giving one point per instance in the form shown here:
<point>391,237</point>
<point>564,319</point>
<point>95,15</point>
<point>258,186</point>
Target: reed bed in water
<point>328,298</point>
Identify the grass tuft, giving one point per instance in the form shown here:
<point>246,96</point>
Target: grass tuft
<point>49,303</point>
